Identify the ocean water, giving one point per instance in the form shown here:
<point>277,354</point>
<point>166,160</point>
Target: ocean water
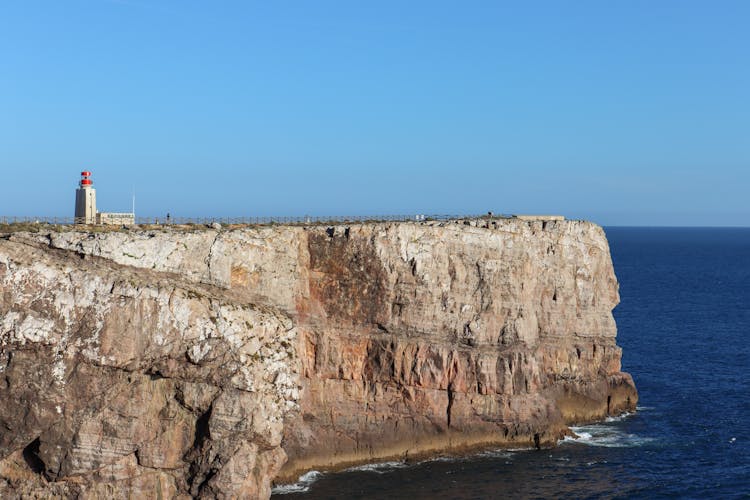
<point>684,326</point>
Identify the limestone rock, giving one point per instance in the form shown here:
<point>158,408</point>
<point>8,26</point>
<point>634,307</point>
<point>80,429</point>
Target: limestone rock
<point>124,382</point>
<point>206,363</point>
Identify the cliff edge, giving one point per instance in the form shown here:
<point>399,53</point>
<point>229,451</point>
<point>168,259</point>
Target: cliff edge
<point>182,362</point>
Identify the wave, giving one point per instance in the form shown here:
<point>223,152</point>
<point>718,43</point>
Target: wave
<point>620,417</point>
<point>499,453</point>
<point>301,486</point>
<point>441,458</point>
<point>378,468</point>
<point>608,436</point>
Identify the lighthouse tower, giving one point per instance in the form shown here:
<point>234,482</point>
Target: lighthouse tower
<point>85,200</point>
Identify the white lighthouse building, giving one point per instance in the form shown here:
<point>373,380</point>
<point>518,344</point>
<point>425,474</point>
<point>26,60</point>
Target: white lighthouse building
<point>86,212</point>
<point>85,200</point>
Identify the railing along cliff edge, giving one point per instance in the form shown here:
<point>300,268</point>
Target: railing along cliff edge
<point>260,220</point>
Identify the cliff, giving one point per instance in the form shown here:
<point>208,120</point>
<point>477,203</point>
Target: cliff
<point>206,363</point>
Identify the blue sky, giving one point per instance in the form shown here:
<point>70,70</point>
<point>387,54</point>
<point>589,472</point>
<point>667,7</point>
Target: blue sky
<point>621,112</point>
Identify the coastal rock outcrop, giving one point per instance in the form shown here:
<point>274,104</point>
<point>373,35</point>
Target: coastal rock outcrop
<point>209,362</point>
<point>119,382</point>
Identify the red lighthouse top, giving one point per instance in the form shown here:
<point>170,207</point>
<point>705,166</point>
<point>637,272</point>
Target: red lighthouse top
<point>85,181</point>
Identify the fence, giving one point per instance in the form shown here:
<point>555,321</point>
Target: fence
<point>261,220</point>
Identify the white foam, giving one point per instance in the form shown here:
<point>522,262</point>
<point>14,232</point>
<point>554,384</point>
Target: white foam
<point>378,468</point>
<point>301,486</point>
<point>499,453</point>
<point>605,435</point>
<point>443,458</point>
<point>618,417</point>
<point>579,437</point>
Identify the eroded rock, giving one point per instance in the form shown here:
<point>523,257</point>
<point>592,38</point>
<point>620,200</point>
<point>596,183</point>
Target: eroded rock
<point>124,382</point>
<point>206,363</point>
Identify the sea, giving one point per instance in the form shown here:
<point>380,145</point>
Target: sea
<point>684,326</point>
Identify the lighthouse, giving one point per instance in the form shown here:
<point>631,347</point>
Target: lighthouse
<point>85,200</point>
<point>86,206</point>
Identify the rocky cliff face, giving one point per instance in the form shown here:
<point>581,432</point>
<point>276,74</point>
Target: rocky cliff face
<point>207,363</point>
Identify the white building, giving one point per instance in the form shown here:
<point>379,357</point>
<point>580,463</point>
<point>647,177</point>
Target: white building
<point>86,212</point>
<point>539,217</point>
<point>85,200</point>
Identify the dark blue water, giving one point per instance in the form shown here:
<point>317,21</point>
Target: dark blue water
<point>684,326</point>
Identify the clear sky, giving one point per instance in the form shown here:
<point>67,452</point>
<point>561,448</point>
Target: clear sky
<point>622,112</point>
